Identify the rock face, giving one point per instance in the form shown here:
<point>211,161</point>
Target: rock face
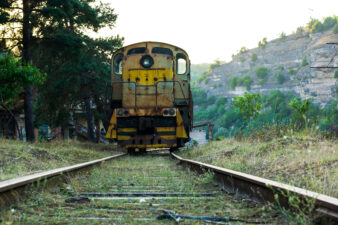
<point>294,58</point>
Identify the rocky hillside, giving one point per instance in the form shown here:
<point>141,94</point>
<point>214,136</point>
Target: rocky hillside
<point>286,64</point>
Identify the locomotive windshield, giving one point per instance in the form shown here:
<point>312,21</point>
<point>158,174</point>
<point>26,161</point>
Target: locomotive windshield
<point>159,50</point>
<point>140,50</point>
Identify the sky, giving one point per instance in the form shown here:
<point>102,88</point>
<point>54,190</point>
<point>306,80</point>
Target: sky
<point>213,29</point>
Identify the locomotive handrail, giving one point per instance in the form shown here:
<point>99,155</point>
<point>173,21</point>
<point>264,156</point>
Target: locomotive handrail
<point>154,85</point>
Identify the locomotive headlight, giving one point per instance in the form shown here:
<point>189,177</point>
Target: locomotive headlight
<point>146,61</point>
<point>169,112</point>
<point>172,112</point>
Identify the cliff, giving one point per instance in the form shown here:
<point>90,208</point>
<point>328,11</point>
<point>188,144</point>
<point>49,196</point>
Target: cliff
<point>289,63</point>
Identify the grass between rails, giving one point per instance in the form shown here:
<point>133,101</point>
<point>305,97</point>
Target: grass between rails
<point>19,158</point>
<point>136,174</point>
<point>301,159</point>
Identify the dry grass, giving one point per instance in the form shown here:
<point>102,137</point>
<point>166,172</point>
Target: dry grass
<point>18,158</point>
<point>302,159</point>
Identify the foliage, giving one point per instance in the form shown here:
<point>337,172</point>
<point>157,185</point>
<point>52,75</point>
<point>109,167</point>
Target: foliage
<point>304,61</point>
<point>221,101</point>
<point>243,50</point>
<point>300,30</point>
<point>282,36</point>
<point>14,77</point>
<point>245,81</point>
<point>280,77</point>
<point>314,25</point>
<point>262,73</point>
<point>262,43</point>
<point>253,57</point>
<point>248,104</point>
<point>292,71</point>
<point>217,63</point>
<point>336,74</point>
<point>275,109</point>
<point>335,29</point>
<point>301,107</point>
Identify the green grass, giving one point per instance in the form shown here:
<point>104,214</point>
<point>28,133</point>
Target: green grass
<point>301,159</point>
<point>141,174</point>
<point>19,158</point>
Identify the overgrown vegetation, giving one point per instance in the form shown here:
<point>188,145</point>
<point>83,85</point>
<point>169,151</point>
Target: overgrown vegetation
<point>262,73</point>
<point>277,110</point>
<point>245,81</point>
<point>22,158</point>
<point>315,25</point>
<point>262,43</point>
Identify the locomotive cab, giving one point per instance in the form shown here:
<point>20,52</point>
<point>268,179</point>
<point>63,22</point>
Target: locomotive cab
<point>151,97</point>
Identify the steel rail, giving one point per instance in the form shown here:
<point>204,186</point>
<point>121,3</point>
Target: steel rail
<point>264,190</point>
<point>11,184</point>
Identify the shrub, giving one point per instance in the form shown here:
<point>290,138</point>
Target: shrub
<point>299,30</point>
<point>292,71</point>
<point>233,83</point>
<point>206,81</point>
<point>304,62</point>
<point>243,50</point>
<point>335,29</point>
<point>246,82</point>
<point>211,100</point>
<point>317,26</point>
<point>221,101</point>
<point>282,36</point>
<point>262,73</point>
<point>253,57</point>
<point>336,74</point>
<point>280,78</point>
<point>262,43</point>
<point>248,104</point>
<point>280,68</point>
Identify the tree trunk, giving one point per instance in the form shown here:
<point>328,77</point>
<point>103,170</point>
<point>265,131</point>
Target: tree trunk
<point>101,110</point>
<point>90,126</point>
<point>28,104</point>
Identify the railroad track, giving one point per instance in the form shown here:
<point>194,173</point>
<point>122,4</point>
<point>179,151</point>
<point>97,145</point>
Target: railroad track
<point>150,189</point>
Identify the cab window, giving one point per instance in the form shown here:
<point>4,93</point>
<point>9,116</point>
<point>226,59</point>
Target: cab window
<point>139,50</point>
<point>181,64</point>
<point>117,64</point>
<point>164,51</point>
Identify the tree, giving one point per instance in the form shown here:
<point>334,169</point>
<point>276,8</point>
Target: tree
<point>248,104</point>
<point>14,77</point>
<point>56,38</point>
<point>301,107</point>
<point>262,43</point>
<point>262,73</point>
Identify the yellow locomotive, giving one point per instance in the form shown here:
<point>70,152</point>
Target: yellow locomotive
<point>152,105</point>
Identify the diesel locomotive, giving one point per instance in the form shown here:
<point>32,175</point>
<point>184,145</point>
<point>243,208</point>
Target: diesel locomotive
<point>151,100</point>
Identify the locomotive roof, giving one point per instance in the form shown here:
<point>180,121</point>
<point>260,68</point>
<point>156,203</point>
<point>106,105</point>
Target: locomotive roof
<point>152,42</point>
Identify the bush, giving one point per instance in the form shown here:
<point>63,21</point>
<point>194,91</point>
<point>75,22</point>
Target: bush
<point>243,50</point>
<point>211,100</point>
<point>262,73</point>
<point>317,26</point>
<point>336,74</point>
<point>221,101</point>
<point>292,71</point>
<point>335,29</point>
<point>280,78</point>
<point>304,62</point>
<point>253,57</point>
<point>299,30</point>
<point>233,83</point>
<point>282,36</point>
<point>262,43</point>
